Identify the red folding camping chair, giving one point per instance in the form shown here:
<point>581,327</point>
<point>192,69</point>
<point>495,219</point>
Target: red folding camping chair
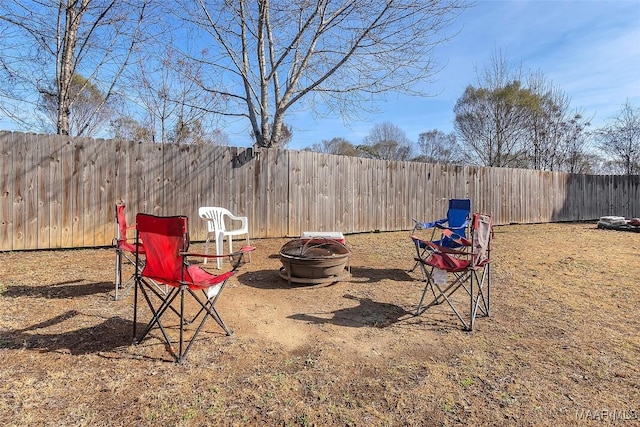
<point>126,254</point>
<point>166,245</point>
<point>446,270</point>
<point>125,251</point>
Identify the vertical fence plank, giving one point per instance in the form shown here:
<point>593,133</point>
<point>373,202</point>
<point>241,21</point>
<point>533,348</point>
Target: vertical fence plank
<point>157,168</point>
<point>31,231</point>
<point>191,168</point>
<point>74,197</point>
<point>43,213</point>
<point>261,179</point>
<point>7,183</point>
<point>106,185</point>
<point>89,190</point>
<point>275,168</point>
<point>55,185</point>
<point>244,165</point>
<point>139,179</point>
<point>195,171</point>
<point>20,190</point>
<point>120,175</point>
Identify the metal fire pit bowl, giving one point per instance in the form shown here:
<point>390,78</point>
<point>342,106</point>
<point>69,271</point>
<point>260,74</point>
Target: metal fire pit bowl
<point>316,260</point>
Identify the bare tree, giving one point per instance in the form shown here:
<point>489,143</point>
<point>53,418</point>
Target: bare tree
<point>331,56</point>
<point>546,124</point>
<point>339,146</point>
<point>575,146</point>
<point>437,147</point>
<point>89,111</point>
<point>557,137</point>
<point>620,141</point>
<point>163,86</point>
<point>491,119</point>
<point>128,129</point>
<point>284,137</point>
<point>194,133</point>
<point>47,41</point>
<point>386,141</point>
<point>491,123</point>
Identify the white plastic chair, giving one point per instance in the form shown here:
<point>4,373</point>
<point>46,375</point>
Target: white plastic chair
<point>215,217</point>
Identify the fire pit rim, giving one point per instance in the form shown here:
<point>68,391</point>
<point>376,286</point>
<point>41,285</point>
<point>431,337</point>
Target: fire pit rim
<point>320,269</point>
<point>313,243</point>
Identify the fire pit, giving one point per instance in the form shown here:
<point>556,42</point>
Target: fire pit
<point>313,261</point>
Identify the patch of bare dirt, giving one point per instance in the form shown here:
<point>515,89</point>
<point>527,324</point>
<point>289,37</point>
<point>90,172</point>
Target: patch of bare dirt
<point>561,346</point>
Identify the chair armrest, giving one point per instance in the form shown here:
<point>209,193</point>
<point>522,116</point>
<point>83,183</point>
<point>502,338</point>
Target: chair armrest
<point>437,248</point>
<point>243,249</point>
<point>462,241</point>
<point>446,227</point>
<point>195,254</point>
<point>235,258</point>
<point>243,219</point>
<point>244,223</point>
<point>418,225</point>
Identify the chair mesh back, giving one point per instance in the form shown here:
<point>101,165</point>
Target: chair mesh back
<point>482,229</point>
<point>121,220</point>
<point>122,242</point>
<point>164,238</point>
<point>458,212</point>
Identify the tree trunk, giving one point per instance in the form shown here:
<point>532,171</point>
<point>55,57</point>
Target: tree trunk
<point>73,15</point>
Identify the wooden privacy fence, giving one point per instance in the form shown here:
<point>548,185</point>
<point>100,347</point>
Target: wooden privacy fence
<point>60,192</point>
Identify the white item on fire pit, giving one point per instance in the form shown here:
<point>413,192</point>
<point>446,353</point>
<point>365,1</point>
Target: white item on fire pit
<point>333,235</point>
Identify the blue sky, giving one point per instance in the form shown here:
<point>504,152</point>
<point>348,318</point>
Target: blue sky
<point>588,49</point>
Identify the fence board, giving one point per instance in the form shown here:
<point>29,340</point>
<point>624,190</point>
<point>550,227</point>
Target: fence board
<point>258,219</point>
<point>156,169</point>
<point>107,190</point>
<point>7,190</point>
<point>31,192</point>
<point>19,213</point>
<point>276,168</point>
<point>138,183</point>
<point>244,164</point>
<point>43,235</point>
<point>72,192</point>
<point>88,189</point>
<point>205,188</point>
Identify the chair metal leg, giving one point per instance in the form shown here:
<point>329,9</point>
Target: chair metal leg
<point>118,273</point>
<point>488,268</point>
<point>208,309</point>
<point>443,293</point>
<point>157,314</point>
<point>464,324</point>
<point>120,285</point>
<point>180,357</point>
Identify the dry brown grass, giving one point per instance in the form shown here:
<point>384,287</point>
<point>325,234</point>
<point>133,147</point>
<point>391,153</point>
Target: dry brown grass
<point>560,348</point>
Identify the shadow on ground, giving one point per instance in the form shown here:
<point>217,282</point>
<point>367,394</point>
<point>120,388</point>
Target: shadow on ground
<point>270,279</point>
<point>68,289</point>
<point>367,313</point>
<point>109,335</point>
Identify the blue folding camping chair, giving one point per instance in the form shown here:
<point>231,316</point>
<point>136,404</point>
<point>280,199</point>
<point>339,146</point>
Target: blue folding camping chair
<point>456,225</point>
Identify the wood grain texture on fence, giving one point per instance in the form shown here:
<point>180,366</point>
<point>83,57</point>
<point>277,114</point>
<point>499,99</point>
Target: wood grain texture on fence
<point>60,192</point>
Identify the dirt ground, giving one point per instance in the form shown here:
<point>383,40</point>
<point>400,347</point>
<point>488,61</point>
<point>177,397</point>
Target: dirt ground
<point>561,346</point>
